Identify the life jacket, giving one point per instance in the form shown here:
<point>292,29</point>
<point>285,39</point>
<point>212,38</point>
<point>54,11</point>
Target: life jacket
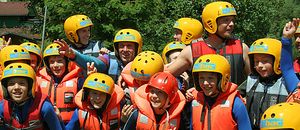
<point>218,116</point>
<point>1,92</point>
<point>115,67</point>
<point>61,95</point>
<point>232,51</point>
<point>111,116</point>
<point>295,94</point>
<point>146,117</point>
<point>260,96</point>
<point>91,49</point>
<point>34,120</point>
<point>297,65</point>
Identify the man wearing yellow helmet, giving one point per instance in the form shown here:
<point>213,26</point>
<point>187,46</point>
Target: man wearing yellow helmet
<point>216,104</point>
<point>187,30</point>
<point>127,44</point>
<point>218,20</point>
<point>297,45</point>
<point>286,64</point>
<point>22,108</point>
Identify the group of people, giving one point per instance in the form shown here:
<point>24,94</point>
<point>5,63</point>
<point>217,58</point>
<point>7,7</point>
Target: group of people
<point>213,82</point>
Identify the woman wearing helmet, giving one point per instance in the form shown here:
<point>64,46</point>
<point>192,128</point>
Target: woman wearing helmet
<point>217,105</point>
<point>59,83</point>
<point>264,87</point>
<point>159,105</point>
<point>170,54</point>
<point>218,20</point>
<point>286,66</point>
<point>22,108</point>
<point>99,104</point>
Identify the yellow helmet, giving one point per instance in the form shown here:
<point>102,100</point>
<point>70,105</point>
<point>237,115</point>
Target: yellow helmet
<point>128,35</point>
<point>266,46</point>
<point>18,70</point>
<point>214,10</point>
<point>298,30</point>
<point>51,50</point>
<point>33,48</point>
<point>13,53</point>
<point>281,116</point>
<point>212,63</point>
<point>99,82</point>
<point>145,65</point>
<point>191,29</point>
<point>73,24</point>
<point>171,47</point>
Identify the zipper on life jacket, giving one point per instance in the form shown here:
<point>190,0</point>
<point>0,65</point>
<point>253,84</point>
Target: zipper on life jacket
<point>209,118</point>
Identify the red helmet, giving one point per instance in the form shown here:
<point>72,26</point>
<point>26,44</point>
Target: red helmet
<point>165,82</point>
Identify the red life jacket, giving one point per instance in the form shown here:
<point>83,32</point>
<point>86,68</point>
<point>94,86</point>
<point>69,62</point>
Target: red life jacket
<point>232,51</point>
<point>220,113</point>
<point>34,120</point>
<point>61,96</point>
<point>297,66</point>
<point>146,117</point>
<point>111,117</point>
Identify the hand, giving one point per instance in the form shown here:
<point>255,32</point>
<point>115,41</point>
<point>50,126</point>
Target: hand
<point>91,68</point>
<point>126,112</point>
<point>5,43</point>
<point>121,82</point>
<point>290,28</point>
<point>104,50</point>
<point>65,50</point>
<point>188,95</point>
<point>57,112</point>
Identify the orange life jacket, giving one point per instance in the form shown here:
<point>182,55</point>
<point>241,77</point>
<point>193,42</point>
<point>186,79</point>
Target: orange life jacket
<point>146,117</point>
<point>219,116</point>
<point>232,51</point>
<point>34,120</point>
<point>61,95</point>
<point>111,117</point>
<point>295,94</point>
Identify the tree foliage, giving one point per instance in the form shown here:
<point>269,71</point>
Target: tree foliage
<point>155,18</point>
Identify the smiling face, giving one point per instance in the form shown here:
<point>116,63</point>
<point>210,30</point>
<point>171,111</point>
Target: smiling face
<point>84,35</point>
<point>158,98</point>
<point>126,51</point>
<point>177,36</point>
<point>17,88</point>
<point>97,98</point>
<point>225,26</point>
<point>208,82</point>
<point>263,64</point>
<point>57,65</point>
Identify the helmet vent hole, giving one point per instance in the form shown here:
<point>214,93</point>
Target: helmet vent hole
<point>95,79</point>
<point>19,66</point>
<point>11,67</point>
<point>142,71</point>
<point>280,105</point>
<point>207,60</point>
<point>135,69</point>
<point>51,46</point>
<point>121,33</point>
<point>227,6</point>
<point>128,33</point>
<point>146,61</point>
<point>34,45</point>
<point>200,60</point>
<point>22,50</point>
<point>152,53</point>
<point>139,54</point>
<point>209,23</point>
<point>57,46</point>
<point>83,19</point>
<point>261,43</point>
<point>139,59</point>
<point>152,58</point>
<point>146,55</point>
<point>146,52</point>
<point>103,81</point>
<point>166,80</point>
<point>273,115</point>
<point>15,51</point>
<point>28,44</point>
<point>265,116</point>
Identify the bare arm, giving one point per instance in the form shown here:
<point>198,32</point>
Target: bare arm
<point>247,69</point>
<point>182,63</point>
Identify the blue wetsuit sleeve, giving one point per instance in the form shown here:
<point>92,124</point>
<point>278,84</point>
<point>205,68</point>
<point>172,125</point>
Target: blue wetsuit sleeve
<point>74,122</point>
<point>82,59</point>
<point>131,122</point>
<point>50,118</point>
<point>240,115</point>
<point>286,65</point>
